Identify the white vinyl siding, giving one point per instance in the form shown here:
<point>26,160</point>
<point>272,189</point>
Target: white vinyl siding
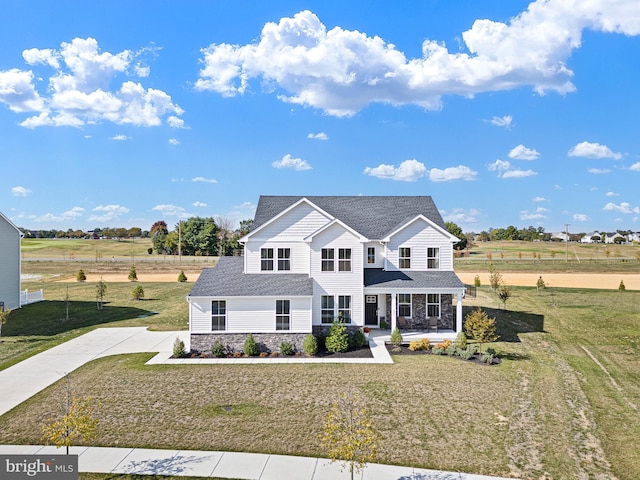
<point>9,265</point>
<point>298,257</point>
<point>419,236</point>
<point>295,225</point>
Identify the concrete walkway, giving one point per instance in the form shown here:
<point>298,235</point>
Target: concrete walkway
<point>248,466</point>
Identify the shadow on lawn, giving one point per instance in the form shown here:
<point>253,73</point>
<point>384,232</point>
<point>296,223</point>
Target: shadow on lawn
<point>509,323</point>
<point>49,317</point>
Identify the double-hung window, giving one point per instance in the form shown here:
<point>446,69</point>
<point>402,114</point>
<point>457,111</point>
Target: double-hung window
<point>327,308</point>
<point>266,259</point>
<point>344,308</point>
<point>433,305</point>
<point>371,255</point>
<point>405,257</point>
<point>328,260</point>
<point>283,315</point>
<point>344,259</point>
<point>433,257</point>
<point>284,259</point>
<point>404,304</point>
<point>218,314</point>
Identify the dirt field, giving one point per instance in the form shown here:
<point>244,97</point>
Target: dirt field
<point>607,281</point>
<point>142,277</point>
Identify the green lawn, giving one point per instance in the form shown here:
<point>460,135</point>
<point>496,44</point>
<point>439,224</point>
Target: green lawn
<point>548,411</point>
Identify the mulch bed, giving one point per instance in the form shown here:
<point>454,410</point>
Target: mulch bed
<point>404,350</point>
<point>362,352</point>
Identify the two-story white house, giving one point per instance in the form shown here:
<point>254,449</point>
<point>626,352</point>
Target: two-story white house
<point>10,236</point>
<point>311,260</point>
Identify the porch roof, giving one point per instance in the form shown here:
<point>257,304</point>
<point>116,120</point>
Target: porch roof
<point>411,280</point>
<point>227,279</point>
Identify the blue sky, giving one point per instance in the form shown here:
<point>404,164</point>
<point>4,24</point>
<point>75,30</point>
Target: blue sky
<point>118,113</point>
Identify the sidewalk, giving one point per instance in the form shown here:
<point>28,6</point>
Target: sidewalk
<point>246,466</point>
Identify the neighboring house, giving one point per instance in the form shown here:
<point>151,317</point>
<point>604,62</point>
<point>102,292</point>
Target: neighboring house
<point>634,237</point>
<point>559,236</point>
<point>10,237</point>
<point>591,237</point>
<point>611,238</point>
<point>311,260</point>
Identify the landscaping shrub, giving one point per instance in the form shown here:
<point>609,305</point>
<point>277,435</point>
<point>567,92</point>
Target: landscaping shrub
<point>310,345</point>
<point>182,277</point>
<point>237,354</point>
<point>264,354</point>
<point>437,351</point>
<point>338,339</point>
<point>487,358</point>
<point>250,347</point>
<point>178,348</point>
<point>480,327</point>
<point>81,277</point>
<point>421,344</point>
<point>138,293</point>
<point>476,281</point>
<point>444,345</point>
<point>491,351</point>
<point>133,276</point>
<point>396,337</point>
<point>461,341</point>
<point>467,354</point>
<point>384,325</point>
<point>218,349</point>
<point>451,350</point>
<point>287,348</point>
<point>621,287</point>
<point>358,339</point>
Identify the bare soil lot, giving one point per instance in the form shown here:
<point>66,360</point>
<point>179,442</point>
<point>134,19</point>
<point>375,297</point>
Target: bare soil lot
<point>607,281</point>
<point>142,277</point>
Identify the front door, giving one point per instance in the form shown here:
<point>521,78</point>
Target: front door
<point>371,310</point>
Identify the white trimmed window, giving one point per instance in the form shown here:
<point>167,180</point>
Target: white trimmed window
<point>283,315</point>
<point>327,305</point>
<point>433,305</point>
<point>404,304</point>
<point>344,308</point>
<point>266,259</point>
<point>218,314</point>
<point>328,260</point>
<point>433,258</point>
<point>371,255</point>
<point>404,257</point>
<point>284,259</point>
<point>344,259</point>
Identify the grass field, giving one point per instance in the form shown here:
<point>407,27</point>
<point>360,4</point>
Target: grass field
<point>563,404</point>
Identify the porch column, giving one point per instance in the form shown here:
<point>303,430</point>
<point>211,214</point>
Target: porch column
<point>393,312</point>
<point>459,313</point>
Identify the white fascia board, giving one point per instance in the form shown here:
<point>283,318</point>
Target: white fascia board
<point>452,238</point>
<point>284,212</point>
<point>414,291</point>
<point>335,221</point>
<point>11,223</point>
<point>221,297</point>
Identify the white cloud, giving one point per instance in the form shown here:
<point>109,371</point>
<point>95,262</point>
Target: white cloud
<point>199,204</point>
<point>318,136</point>
<point>20,191</point>
<point>109,213</point>
<point>175,122</point>
<point>505,121</point>
<point>289,162</point>
<point>174,141</point>
<point>539,214</point>
<point>499,165</point>
<point>635,167</point>
<point>407,171</point>
<point>72,214</point>
<point>171,210</point>
<point>245,206</point>
<point>342,71</point>
<point>204,180</point>
<point>503,167</point>
<point>79,91</point>
<point>612,194</point>
<point>598,171</point>
<point>518,173</point>
<point>580,217</point>
<point>624,207</point>
<point>120,138</point>
<point>459,215</point>
<point>521,152</point>
<point>461,172</point>
<point>539,199</point>
<point>593,150</point>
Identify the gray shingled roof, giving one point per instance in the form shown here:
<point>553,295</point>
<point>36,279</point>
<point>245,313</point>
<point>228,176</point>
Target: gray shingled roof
<point>374,217</point>
<point>227,280</point>
<point>409,279</point>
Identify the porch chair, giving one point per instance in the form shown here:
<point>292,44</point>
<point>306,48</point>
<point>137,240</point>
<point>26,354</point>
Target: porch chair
<point>433,323</point>
<point>404,322</point>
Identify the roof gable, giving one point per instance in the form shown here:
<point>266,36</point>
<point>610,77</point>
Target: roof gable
<point>3,217</point>
<point>438,228</point>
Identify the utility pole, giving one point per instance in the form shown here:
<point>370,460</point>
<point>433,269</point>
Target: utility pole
<point>566,239</point>
<point>180,242</point>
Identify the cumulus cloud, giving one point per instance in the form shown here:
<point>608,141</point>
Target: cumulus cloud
<point>289,162</point>
<point>539,214</point>
<point>72,214</point>
<point>612,194</point>
<point>580,217</point>
<point>171,210</point>
<point>459,215</point>
<point>20,191</point>
<point>539,199</point>
<point>593,150</point>
<point>342,71</point>
<point>517,173</point>
<point>120,138</point>
<point>407,171</point>
<point>318,136</point>
<point>461,172</point>
<point>624,207</point>
<point>523,153</point>
<point>505,121</point>
<point>499,165</point>
<point>598,171</point>
<point>80,77</point>
<point>204,180</point>
<point>174,141</point>
<point>503,167</point>
<point>107,213</point>
<point>635,167</point>
<point>199,204</point>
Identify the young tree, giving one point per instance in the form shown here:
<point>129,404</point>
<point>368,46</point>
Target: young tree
<point>476,281</point>
<point>495,277</point>
<point>182,277</point>
<point>138,292</point>
<point>504,293</point>
<point>349,435</point>
<point>540,285</point>
<point>133,275</point>
<point>480,327</point>
<point>75,421</point>
<point>4,315</point>
<point>81,277</point>
<point>621,287</point>
<point>101,291</point>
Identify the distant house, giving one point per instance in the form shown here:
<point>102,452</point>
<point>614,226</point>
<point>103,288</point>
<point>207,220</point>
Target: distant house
<point>10,237</point>
<point>311,260</point>
<point>591,237</point>
<point>611,238</point>
<point>559,237</point>
<point>634,237</point>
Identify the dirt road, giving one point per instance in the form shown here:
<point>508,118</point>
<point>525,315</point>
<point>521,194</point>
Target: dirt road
<point>607,281</point>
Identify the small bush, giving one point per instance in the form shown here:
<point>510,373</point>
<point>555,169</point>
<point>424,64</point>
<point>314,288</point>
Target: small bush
<point>491,351</point>
<point>444,345</point>
<point>264,354</point>
<point>487,358</point>
<point>218,349</point>
<point>461,341</point>
<point>273,354</point>
<point>396,337</point>
<point>237,354</point>
<point>468,353</point>
<point>81,277</point>
<point>138,292</point>
<point>338,339</point>
<point>310,345</point>
<point>451,350</point>
<point>421,344</point>
<point>621,287</point>
<point>476,281</point>
<point>322,341</point>
<point>358,339</point>
<point>250,347</point>
<point>437,351</point>
<point>178,348</point>
<point>133,275</point>
<point>384,325</point>
<point>287,348</point>
<point>182,277</point>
